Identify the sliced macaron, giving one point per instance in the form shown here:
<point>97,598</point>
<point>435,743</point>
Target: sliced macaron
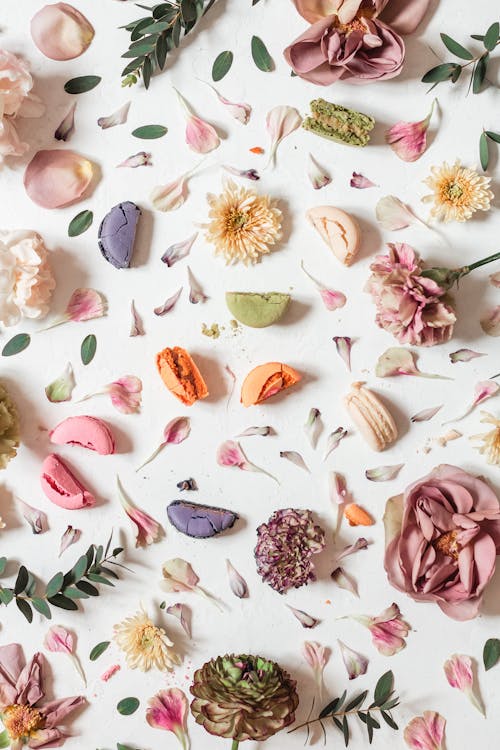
<point>181,375</point>
<point>266,380</point>
<point>257,309</point>
<point>87,432</point>
<point>62,487</point>
<point>116,235</point>
<point>199,521</point>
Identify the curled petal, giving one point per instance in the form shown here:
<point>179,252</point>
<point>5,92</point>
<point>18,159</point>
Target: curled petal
<point>483,390</point>
<point>141,159</point>
<point>231,454</point>
<point>176,431</point>
<point>196,293</point>
<point>295,458</point>
<point>61,32</point>
<point>344,345</point>
<point>67,126</point>
<point>280,122</point>
<point>399,361</point>
<point>408,140</point>
<point>117,118</point>
<point>426,414</point>
<point>458,671</point>
<point>182,613</point>
<point>306,620</point>
<point>70,536</point>
<point>263,431</point>
<point>248,174</point>
<point>56,178</point>
<point>425,732</point>
<point>345,581</point>
<point>356,664</point>
<point>85,304</point>
<point>318,177</point>
<point>464,355</point>
<point>236,581</point>
<point>178,251</point>
<point>136,329</point>
<point>333,441</point>
<point>169,304</point>
<point>332,299</point>
<point>168,710</point>
<point>35,517</point>
<point>61,388</point>
<point>239,110</point>
<point>312,426</point>
<point>171,196</point>
<point>148,530</point>
<point>350,549</point>
<point>490,322</point>
<point>392,214</point>
<point>361,182</point>
<point>125,394</point>
<point>383,473</point>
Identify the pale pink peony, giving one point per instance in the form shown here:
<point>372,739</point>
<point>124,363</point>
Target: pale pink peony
<point>10,143</point>
<point>443,539</point>
<point>415,309</point>
<point>15,83</point>
<point>26,281</point>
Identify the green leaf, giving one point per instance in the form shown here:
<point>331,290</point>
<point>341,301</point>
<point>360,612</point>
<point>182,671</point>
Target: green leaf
<point>337,723</point>
<point>6,596</point>
<point>127,706</point>
<point>81,84</point>
<point>389,720</point>
<point>480,73</point>
<point>261,56</point>
<point>148,132</point>
<point>79,568</point>
<point>96,578</point>
<point>133,66</point>
<point>357,701</point>
<point>63,602</point>
<point>41,607</point>
<point>54,585</point>
<point>484,155</point>
<point>492,36</point>
<point>390,704</point>
<point>4,739</point>
<point>329,708</point>
<point>21,580</point>
<point>16,344</point>
<point>119,746</point>
<point>440,73</point>
<point>3,565</point>
<point>73,593</point>
<point>161,51</point>
<point>491,653</point>
<point>176,33</point>
<point>87,349</point>
<point>478,37</point>
<point>188,10</point>
<point>383,688</point>
<point>455,48</point>
<point>221,65</point>
<point>494,136</point>
<point>88,588</point>
<point>80,223</point>
<point>345,730</point>
<point>139,28</point>
<point>147,70</point>
<point>341,700</point>
<point>25,608</point>
<point>98,650</point>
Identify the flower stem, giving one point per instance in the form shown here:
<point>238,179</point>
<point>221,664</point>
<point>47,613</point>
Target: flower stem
<point>235,745</point>
<point>467,269</point>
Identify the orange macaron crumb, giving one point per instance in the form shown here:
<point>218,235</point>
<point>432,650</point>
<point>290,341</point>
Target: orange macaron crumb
<point>180,374</point>
<point>357,516</point>
<point>265,381</point>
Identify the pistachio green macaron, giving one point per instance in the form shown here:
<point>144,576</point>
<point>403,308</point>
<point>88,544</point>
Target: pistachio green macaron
<point>256,309</point>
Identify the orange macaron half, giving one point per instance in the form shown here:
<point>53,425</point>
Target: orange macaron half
<point>266,380</point>
<point>180,374</point>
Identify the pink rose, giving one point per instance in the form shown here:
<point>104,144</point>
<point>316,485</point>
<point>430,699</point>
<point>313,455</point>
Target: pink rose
<point>443,536</point>
<point>347,40</point>
<point>415,309</point>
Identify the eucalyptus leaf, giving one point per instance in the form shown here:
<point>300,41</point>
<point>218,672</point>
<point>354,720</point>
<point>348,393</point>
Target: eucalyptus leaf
<point>41,607</point>
<point>80,223</point>
<point>261,56</point>
<point>81,84</point>
<point>88,349</point>
<point>491,653</point>
<point>149,132</point>
<point>63,602</point>
<point>480,73</point>
<point>54,585</point>
<point>147,70</point>
<point>440,73</point>
<point>493,136</point>
<point>3,565</point>
<point>16,344</point>
<point>25,608</point>
<point>98,650</point>
<point>484,155</point>
<point>21,580</point>
<point>127,706</point>
<point>455,48</point>
<point>383,688</point>
<point>221,65</point>
<point>492,36</point>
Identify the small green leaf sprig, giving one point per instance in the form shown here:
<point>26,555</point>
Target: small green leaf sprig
<point>153,36</point>
<point>484,151</point>
<point>452,71</point>
<point>64,589</point>
<point>341,709</point>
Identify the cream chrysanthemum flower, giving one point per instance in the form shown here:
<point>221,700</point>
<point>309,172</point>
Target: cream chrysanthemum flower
<point>457,192</point>
<point>491,440</point>
<point>243,225</point>
<point>144,644</point>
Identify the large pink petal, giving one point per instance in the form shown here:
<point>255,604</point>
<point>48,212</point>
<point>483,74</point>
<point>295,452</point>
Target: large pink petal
<point>56,178</point>
<point>405,15</point>
<point>29,683</point>
<point>55,711</point>
<point>11,665</point>
<point>61,32</point>
<point>47,738</point>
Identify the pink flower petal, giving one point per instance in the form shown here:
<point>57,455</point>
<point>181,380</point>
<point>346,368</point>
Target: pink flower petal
<point>490,322</point>
<point>483,390</point>
<point>425,732</point>
<point>148,530</point>
<point>117,118</point>
<point>230,454</point>
<point>344,345</point>
<point>178,251</point>
<point>61,32</point>
<point>85,304</point>
<point>305,619</point>
<point>392,214</point>
<point>196,293</point>
<point>317,657</point>
<point>458,671</point>
<point>281,121</point>
<point>361,182</point>
<point>464,355</point>
<point>388,630</point>
<point>332,299</point>
<point>408,140</point>
<point>240,111</point>
<point>201,136</point>
<point>171,196</point>
<point>67,126</point>
<point>168,305</point>
<point>355,663</point>
<point>318,177</point>
<point>141,159</point>
<point>168,710</point>
<point>58,639</point>
<point>398,361</point>
<point>176,431</point>
<point>56,178</point>
<point>126,394</point>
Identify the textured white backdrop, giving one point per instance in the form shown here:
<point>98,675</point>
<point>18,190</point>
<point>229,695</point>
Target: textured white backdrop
<point>261,624</point>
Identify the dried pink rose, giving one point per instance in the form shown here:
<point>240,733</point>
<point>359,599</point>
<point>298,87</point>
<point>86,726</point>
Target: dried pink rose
<point>458,671</point>
<point>408,140</point>
<point>168,710</point>
<point>60,640</point>
<point>61,32</point>
<point>425,732</point>
<point>148,530</point>
<point>388,630</point>
<point>57,177</point>
<point>176,431</point>
<point>231,454</point>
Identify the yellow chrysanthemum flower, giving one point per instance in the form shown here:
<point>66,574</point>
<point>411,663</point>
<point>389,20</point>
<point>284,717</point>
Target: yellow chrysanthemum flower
<point>457,192</point>
<point>144,644</point>
<point>243,225</point>
<point>491,440</point>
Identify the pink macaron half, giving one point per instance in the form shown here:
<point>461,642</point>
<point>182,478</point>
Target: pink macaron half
<point>88,432</point>
<point>62,487</point>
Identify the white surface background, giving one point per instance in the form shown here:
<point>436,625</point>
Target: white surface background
<point>261,624</point>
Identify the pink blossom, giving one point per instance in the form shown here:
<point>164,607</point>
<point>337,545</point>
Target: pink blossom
<point>426,732</point>
<point>148,530</point>
<point>388,630</point>
<point>168,711</point>
<point>21,689</point>
<point>408,140</point>
<point>332,299</point>
<point>410,306</point>
<point>458,671</point>
<point>15,83</point>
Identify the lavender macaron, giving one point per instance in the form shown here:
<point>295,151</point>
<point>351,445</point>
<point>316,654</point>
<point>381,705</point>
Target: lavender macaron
<point>117,234</point>
<point>199,521</point>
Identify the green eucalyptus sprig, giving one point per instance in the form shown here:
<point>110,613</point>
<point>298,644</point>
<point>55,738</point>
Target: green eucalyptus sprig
<point>153,36</point>
<point>484,151</point>
<point>64,589</point>
<point>341,709</point>
<point>452,71</point>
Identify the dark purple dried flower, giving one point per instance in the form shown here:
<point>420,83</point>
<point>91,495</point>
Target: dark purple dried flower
<point>285,546</point>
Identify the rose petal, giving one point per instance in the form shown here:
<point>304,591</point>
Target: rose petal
<point>281,121</point>
<point>61,32</point>
<point>356,664</point>
<point>56,178</point>
<point>361,182</point>
<point>62,387</point>
<point>168,305</point>
<point>117,118</point>
<point>307,621</point>
<point>459,673</point>
<point>490,322</point>
<point>178,251</point>
<point>236,581</point>
<point>295,458</point>
<point>425,732</point>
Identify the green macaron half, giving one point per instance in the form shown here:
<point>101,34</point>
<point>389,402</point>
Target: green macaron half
<point>256,309</point>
